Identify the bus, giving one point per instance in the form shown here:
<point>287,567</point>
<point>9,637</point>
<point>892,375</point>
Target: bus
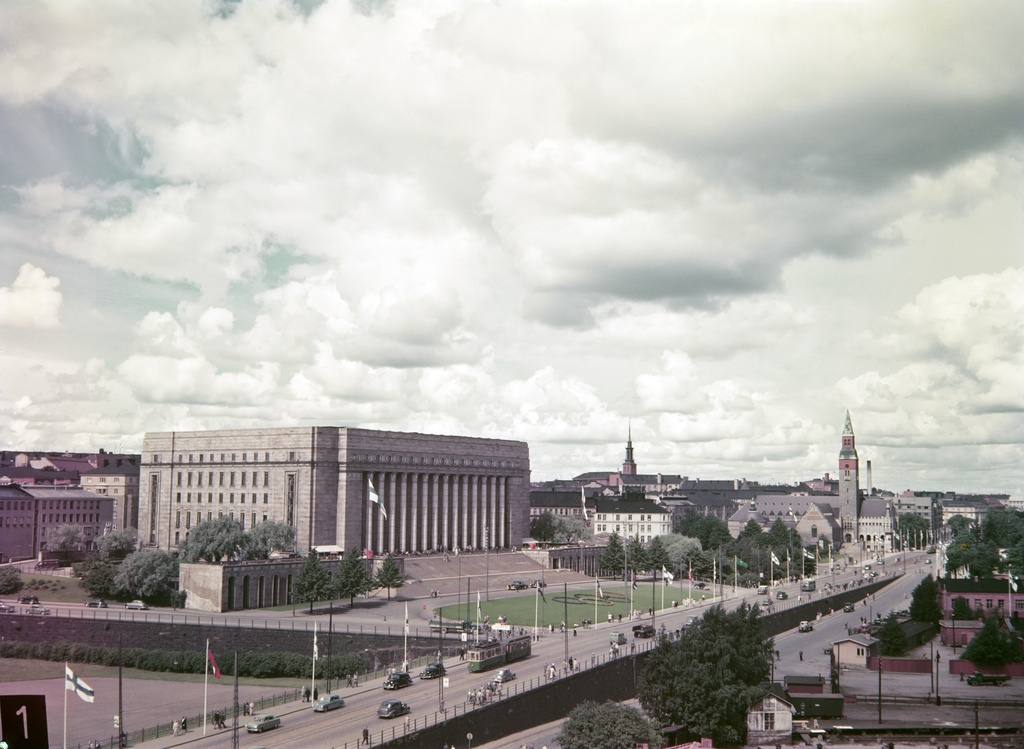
<point>486,655</point>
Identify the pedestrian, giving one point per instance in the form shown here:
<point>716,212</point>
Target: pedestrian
<point>175,727</point>
<point>348,682</point>
<point>801,655</point>
<point>366,736</point>
<point>316,693</point>
<point>184,724</point>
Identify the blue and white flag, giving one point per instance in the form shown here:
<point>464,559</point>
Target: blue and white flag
<point>669,577</point>
<point>808,554</point>
<point>73,684</point>
<point>375,498</point>
<point>775,559</point>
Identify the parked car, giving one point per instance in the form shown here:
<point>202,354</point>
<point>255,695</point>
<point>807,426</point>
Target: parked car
<point>398,680</point>
<point>805,627</point>
<point>849,607</point>
<point>97,604</point>
<point>28,600</point>
<point>538,584</point>
<point>700,586</point>
<point>503,675</point>
<point>136,605</point>
<point>432,671</point>
<point>261,723</point>
<point>392,709</point>
<point>37,610</point>
<point>517,585</point>
<point>328,702</point>
<point>781,595</point>
<point>643,630</point>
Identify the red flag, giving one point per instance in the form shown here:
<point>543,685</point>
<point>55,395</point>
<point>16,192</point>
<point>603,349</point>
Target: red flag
<point>209,657</point>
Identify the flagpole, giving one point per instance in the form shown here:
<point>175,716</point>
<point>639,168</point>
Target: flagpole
<point>536,608</point>
<point>206,682</point>
<point>65,743</point>
<point>405,639</point>
<point>597,594</point>
<point>312,684</point>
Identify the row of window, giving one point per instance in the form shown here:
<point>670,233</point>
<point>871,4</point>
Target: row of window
<point>209,517</point>
<point>50,504</point>
<point>223,457</point>
<point>220,498</point>
<point>72,518</point>
<point>608,516</point>
<point>189,476</point>
<point>998,603</point>
<point>638,528</point>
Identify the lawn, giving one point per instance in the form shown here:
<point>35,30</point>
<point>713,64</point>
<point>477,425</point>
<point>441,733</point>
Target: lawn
<point>572,606</point>
<point>30,670</point>
<point>53,589</point>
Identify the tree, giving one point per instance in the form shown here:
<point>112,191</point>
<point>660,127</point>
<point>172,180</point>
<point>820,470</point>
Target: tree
<point>712,532</point>
<point>681,550</point>
<point>264,539</point>
<point>213,541</point>
<point>64,538</point>
<point>607,726</point>
<point>993,647</point>
<point>612,557</point>
<point>118,544</point>
<point>99,575</point>
<point>924,605</point>
<point>570,529</point>
<point>657,555</point>
<point>353,579</point>
<point>146,573</point>
<point>542,527</point>
<point>313,582</point>
<point>962,610</point>
<point>389,575</point>
<point>892,641</point>
<point>10,580</point>
<point>708,678</point>
<point>752,531</point>
<point>636,554</point>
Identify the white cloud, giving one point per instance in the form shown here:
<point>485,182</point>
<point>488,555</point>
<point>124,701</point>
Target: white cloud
<point>32,301</point>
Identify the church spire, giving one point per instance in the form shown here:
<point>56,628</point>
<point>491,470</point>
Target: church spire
<point>629,466</point>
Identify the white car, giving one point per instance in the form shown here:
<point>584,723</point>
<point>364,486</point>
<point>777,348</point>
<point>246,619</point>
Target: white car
<point>261,723</point>
<point>136,605</point>
<point>328,702</point>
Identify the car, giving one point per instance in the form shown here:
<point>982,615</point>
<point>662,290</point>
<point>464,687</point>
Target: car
<point>827,587</point>
<point>261,723</point>
<point>36,610</point>
<point>781,595</point>
<point>538,584</point>
<point>28,600</point>
<point>392,709</point>
<point>762,590</point>
<point>6,608</point>
<point>432,671</point>
<point>136,605</point>
<point>503,675</point>
<point>927,561</point>
<point>97,604</point>
<point>517,585</point>
<point>328,702</point>
<point>643,630</point>
<point>397,680</point>
<point>617,638</point>
<point>849,607</point>
<point>691,620</point>
<point>828,651</point>
<point>700,586</point>
<point>805,627</point>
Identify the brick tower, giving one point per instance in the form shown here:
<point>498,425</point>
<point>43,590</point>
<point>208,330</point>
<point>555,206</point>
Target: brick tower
<point>849,484</point>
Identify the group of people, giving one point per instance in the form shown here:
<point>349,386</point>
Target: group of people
<point>179,727</point>
<point>218,719</point>
<point>313,695</point>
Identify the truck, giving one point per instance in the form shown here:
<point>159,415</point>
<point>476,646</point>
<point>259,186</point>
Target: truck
<point>978,679</point>
<point>446,627</point>
<point>807,585</point>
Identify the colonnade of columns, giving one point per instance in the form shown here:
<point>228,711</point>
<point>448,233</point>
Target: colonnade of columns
<point>430,511</point>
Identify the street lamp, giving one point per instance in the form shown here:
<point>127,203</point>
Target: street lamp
<point>938,699</point>
<point>469,738</point>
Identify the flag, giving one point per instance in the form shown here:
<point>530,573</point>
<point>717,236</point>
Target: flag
<point>583,501</point>
<point>73,684</point>
<point>407,618</point>
<point>775,559</point>
<point>740,563</point>
<point>669,577</point>
<point>600,593</point>
<point>634,579</point>
<point>478,604</point>
<point>808,554</point>
<point>1013,583</point>
<point>541,591</point>
<point>213,662</point>
<point>316,652</point>
<point>375,498</point>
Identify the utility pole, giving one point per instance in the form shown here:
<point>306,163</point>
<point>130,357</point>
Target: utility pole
<point>879,689</point>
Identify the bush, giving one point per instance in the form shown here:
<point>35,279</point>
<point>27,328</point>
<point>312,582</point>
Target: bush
<point>10,580</point>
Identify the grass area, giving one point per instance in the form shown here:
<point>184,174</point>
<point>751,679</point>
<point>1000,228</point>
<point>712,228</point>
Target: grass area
<point>53,589</point>
<point>28,670</point>
<point>519,609</point>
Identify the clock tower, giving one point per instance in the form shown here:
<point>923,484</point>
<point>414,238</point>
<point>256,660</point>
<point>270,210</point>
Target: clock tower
<point>849,484</point>
<point>629,466</point>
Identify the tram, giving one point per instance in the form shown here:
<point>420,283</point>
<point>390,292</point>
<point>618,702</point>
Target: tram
<point>486,655</point>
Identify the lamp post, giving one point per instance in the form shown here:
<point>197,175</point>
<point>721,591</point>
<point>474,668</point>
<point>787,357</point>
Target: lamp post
<point>879,689</point>
<point>938,698</point>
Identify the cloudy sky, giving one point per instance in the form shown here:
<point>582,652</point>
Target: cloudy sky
<point>721,223</point>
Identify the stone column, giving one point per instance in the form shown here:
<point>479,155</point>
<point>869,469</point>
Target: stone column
<point>492,502</point>
<point>402,539</point>
<point>474,500</point>
<point>414,511</point>
<point>392,504</point>
<point>435,507</point>
<point>368,512</point>
<point>503,511</point>
<point>461,492</point>
<point>445,485</point>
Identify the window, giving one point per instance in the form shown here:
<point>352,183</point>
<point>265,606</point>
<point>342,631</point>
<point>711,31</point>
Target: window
<point>177,519</point>
<point>220,479</point>
<point>988,603</point>
<point>179,478</point>
<point>177,498</point>
<point>245,457</point>
<point>220,498</point>
<point>266,479</point>
<point>156,458</point>
<point>266,498</point>
<point>232,481</point>
<point>266,457</point>
<point>190,457</point>
<point>231,499</point>
<point>253,523</point>
<point>234,457</point>
<point>769,721</point>
<point>243,478</point>
<point>291,455</point>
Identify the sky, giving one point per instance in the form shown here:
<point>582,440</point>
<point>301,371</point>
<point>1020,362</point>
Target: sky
<point>717,226</point>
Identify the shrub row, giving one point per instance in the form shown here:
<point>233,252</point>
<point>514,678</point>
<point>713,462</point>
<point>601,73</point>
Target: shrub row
<point>256,665</point>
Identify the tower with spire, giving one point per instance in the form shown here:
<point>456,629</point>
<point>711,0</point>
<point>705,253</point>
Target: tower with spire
<point>629,466</point>
<point>849,484</point>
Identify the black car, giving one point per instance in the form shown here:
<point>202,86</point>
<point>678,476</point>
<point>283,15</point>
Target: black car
<point>781,595</point>
<point>643,630</point>
<point>392,709</point>
<point>398,680</point>
<point>97,604</point>
<point>28,600</point>
<point>517,585</point>
<point>432,671</point>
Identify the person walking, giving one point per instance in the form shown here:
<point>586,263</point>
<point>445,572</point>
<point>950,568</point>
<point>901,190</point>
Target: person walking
<point>366,736</point>
<point>175,727</point>
<point>184,724</point>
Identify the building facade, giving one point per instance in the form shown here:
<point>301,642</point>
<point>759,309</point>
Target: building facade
<point>849,484</point>
<point>629,517</point>
<point>119,480</point>
<point>375,490</point>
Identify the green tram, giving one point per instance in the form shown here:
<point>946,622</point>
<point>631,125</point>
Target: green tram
<point>493,653</point>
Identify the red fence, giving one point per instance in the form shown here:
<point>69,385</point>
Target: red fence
<point>901,665</point>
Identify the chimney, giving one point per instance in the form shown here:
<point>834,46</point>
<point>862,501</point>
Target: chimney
<point>871,487</point>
